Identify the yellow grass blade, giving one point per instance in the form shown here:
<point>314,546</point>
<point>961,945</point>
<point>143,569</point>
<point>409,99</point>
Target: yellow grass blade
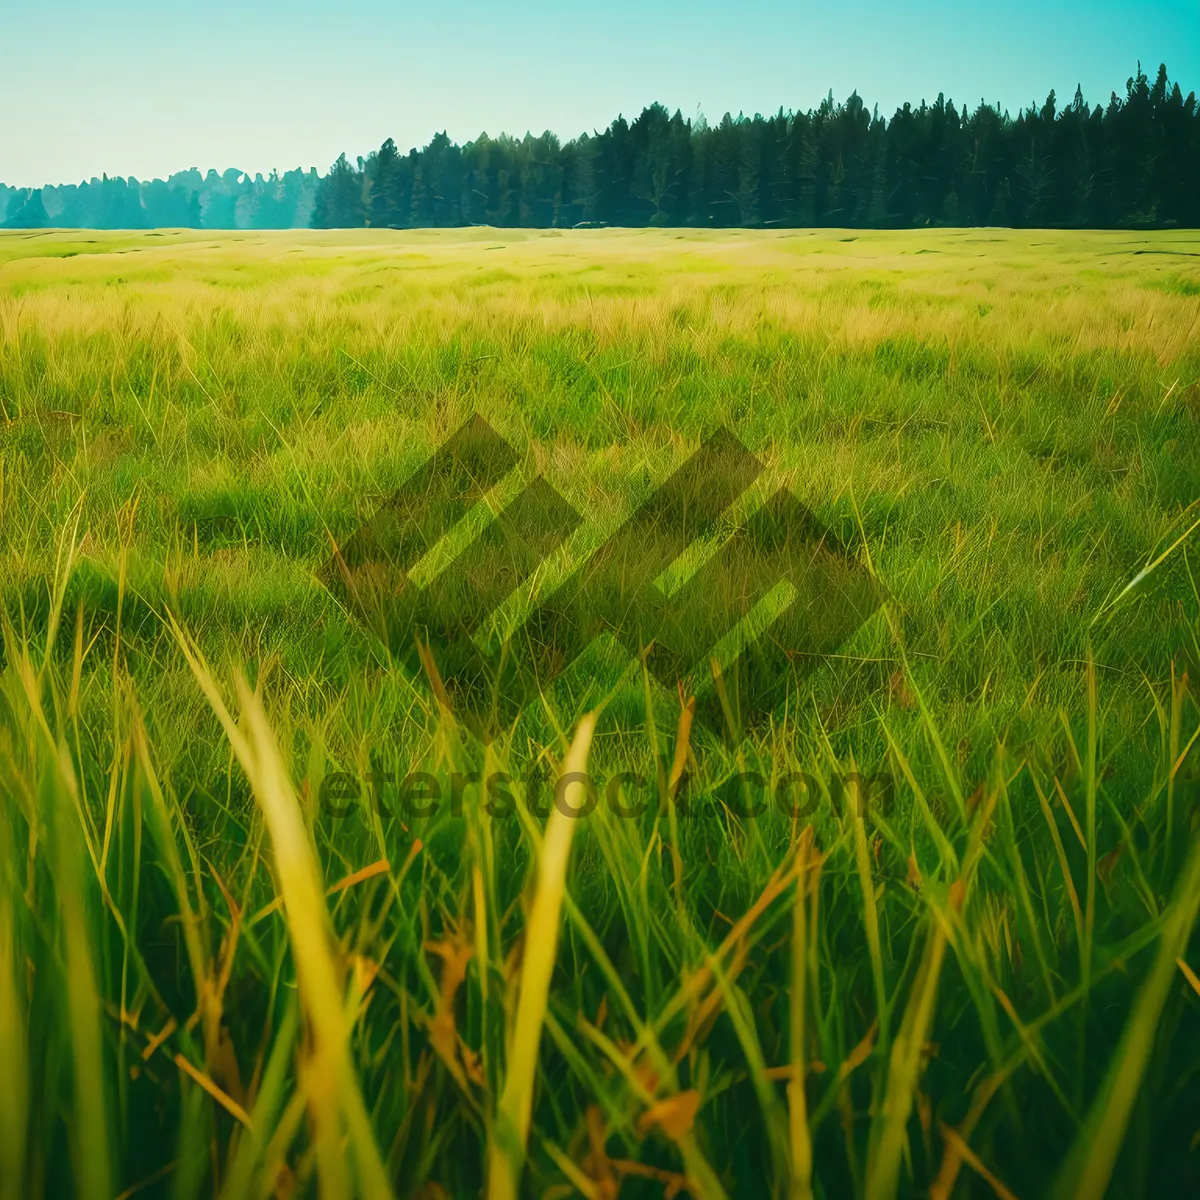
<point>328,1074</point>
<point>1189,975</point>
<point>883,1164</point>
<point>227,1102</point>
<point>579,1181</point>
<point>376,868</point>
<point>798,1134</point>
<point>975,1163</point>
<point>331,1080</point>
<point>510,1131</point>
<point>158,1039</point>
<point>360,876</point>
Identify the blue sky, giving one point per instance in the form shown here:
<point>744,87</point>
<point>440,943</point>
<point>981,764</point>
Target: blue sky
<point>133,87</point>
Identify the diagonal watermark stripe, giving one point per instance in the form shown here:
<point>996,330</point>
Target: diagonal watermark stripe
<point>828,592</point>
<point>369,572</point>
<point>613,591</point>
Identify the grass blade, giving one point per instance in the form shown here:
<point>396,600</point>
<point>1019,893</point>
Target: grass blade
<point>510,1131</point>
<point>1088,1169</point>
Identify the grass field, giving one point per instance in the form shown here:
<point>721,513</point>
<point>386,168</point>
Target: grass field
<point>212,985</point>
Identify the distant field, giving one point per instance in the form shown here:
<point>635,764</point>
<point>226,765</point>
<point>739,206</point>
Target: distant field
<point>987,978</point>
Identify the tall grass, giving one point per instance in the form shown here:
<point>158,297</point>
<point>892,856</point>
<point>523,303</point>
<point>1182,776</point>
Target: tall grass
<point>210,985</point>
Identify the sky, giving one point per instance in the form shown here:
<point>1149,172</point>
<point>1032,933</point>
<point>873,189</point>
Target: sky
<point>130,87</point>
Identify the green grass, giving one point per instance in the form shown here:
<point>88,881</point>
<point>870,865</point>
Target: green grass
<point>209,986</point>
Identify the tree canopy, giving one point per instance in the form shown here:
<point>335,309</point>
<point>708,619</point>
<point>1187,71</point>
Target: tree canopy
<point>1132,162</point>
<point>230,200</point>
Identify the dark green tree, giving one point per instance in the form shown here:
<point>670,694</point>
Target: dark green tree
<point>339,200</point>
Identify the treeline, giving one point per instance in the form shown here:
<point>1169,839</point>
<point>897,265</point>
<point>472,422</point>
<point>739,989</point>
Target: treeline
<point>232,200</point>
<point>1132,162</point>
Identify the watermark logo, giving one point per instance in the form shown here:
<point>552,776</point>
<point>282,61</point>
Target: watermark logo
<point>782,560</point>
<point>391,793</point>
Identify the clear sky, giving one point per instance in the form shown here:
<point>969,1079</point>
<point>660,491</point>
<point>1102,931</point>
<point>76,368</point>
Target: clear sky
<point>131,87</point>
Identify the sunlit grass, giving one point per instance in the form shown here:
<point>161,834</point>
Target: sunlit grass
<point>210,986</point>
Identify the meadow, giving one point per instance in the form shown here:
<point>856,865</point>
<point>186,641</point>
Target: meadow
<point>216,982</point>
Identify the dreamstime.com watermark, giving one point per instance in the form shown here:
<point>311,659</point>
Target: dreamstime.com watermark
<point>615,590</point>
<point>627,795</point>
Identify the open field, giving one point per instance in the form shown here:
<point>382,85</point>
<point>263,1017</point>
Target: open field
<point>212,985</point>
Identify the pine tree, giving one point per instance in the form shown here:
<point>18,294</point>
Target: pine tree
<point>387,208</point>
<point>339,198</point>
